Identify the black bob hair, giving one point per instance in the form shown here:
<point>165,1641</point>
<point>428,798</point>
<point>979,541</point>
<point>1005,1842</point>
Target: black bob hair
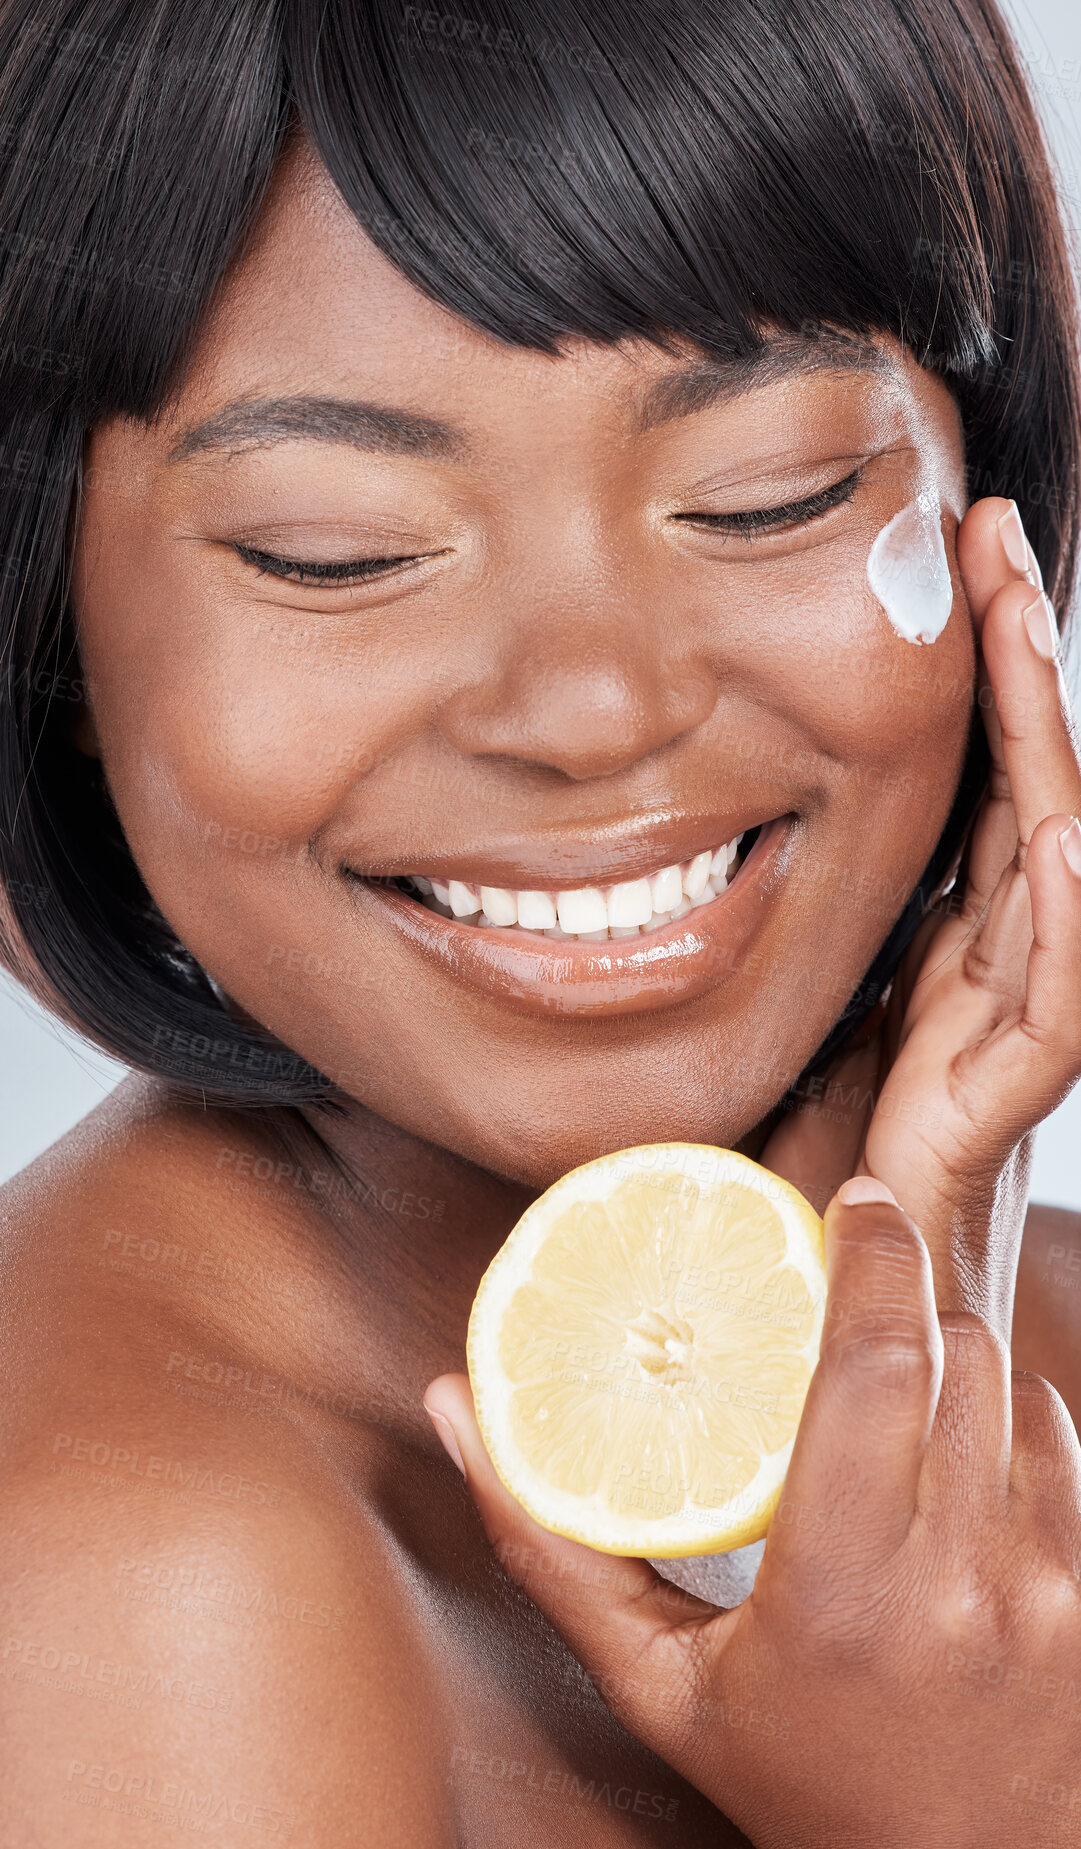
<point>545,169</point>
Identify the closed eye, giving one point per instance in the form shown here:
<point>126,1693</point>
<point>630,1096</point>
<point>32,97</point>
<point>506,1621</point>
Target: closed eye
<point>334,572</point>
<point>754,520</point>
<point>744,521</point>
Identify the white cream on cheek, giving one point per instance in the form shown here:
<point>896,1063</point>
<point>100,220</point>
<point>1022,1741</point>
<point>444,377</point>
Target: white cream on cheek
<point>909,573</point>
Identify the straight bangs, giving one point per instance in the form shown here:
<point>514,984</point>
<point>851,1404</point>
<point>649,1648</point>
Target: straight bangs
<point>590,169</point>
<point>580,169</point>
<point>549,170</point>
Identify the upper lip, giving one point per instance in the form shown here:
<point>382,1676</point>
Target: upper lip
<point>631,850</point>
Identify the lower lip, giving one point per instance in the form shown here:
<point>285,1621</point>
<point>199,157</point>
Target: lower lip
<point>624,976</point>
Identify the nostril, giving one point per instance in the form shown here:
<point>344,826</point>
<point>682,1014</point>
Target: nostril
<point>581,726</point>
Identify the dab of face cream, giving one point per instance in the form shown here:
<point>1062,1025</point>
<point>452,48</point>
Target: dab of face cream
<point>909,573</point>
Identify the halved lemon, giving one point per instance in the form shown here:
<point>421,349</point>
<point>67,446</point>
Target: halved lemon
<point>641,1346</point>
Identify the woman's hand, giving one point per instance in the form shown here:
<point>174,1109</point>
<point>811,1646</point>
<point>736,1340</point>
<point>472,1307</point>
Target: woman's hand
<point>907,1669</point>
<point>985,1035</point>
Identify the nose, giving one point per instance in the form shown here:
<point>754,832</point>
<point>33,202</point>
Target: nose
<point>583,685</point>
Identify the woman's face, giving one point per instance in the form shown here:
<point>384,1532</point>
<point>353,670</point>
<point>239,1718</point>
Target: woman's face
<point>593,667</point>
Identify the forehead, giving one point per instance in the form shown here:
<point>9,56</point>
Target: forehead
<point>312,307</point>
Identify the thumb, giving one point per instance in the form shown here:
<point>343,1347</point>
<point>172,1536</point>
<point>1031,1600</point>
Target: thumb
<point>638,1637</point>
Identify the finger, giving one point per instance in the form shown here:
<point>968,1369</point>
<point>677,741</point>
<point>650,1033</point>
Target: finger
<point>1039,748</point>
<point>641,1640</point>
<point>992,550</point>
<point>1024,1069</point>
<point>966,1472</point>
<point>1045,1468</point>
<point>993,844</point>
<point>994,950</point>
<point>852,1485</point>
<point>1052,1012</point>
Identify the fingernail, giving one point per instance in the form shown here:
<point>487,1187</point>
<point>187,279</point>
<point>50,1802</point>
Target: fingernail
<point>1042,628</point>
<point>445,1433</point>
<point>1070,842</point>
<point>1012,534</point>
<point>861,1188</point>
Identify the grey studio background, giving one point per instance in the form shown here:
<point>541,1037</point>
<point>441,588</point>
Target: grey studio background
<point>49,1078</point>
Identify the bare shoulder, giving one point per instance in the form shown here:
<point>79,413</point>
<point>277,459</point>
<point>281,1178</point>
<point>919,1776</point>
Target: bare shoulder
<point>1047,1312</point>
<point>200,1630</point>
<point>152,1217</point>
<point>119,1233</point>
<point>140,1161</point>
<point>206,1658</point>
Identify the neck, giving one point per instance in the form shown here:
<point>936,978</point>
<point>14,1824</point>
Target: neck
<point>409,1230</point>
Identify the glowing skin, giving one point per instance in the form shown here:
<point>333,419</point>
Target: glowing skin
<point>584,680</point>
<point>909,573</point>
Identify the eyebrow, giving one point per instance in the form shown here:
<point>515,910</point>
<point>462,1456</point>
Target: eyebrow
<point>711,382</point>
<point>391,431</point>
<point>247,423</point>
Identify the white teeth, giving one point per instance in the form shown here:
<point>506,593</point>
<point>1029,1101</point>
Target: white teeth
<point>666,889</point>
<point>697,875</point>
<point>463,900</point>
<point>582,910</point>
<point>536,911</point>
<point>500,905</point>
<point>628,909</point>
<point>724,856</point>
<point>630,904</point>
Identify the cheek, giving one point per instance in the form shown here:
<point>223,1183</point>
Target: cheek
<point>858,693</point>
<point>222,722</point>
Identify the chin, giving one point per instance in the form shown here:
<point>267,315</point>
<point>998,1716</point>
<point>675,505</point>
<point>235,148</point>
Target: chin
<point>535,1151</point>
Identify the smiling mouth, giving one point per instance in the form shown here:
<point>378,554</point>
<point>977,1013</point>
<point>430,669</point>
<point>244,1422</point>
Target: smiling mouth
<point>589,914</point>
<point>687,944</point>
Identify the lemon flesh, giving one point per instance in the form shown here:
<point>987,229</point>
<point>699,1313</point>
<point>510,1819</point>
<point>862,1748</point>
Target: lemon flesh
<point>641,1346</point>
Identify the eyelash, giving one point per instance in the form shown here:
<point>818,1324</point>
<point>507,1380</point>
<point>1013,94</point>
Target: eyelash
<point>301,571</point>
<point>746,522</point>
<point>789,514</point>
